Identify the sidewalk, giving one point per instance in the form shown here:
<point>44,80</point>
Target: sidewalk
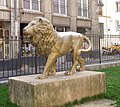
<point>98,103</point>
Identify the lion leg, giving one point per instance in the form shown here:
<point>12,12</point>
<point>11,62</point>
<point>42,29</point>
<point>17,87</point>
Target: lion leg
<point>52,70</point>
<point>51,59</point>
<point>73,68</point>
<point>75,63</point>
<point>77,58</point>
<point>82,63</point>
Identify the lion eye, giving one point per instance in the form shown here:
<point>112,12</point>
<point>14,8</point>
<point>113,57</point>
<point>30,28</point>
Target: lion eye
<point>32,24</point>
<point>40,20</point>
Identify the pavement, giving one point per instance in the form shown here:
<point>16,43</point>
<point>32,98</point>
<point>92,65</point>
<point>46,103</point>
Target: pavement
<point>98,103</point>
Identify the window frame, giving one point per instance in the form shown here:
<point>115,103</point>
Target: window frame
<point>31,6</point>
<point>59,6</point>
<point>101,27</point>
<point>117,23</point>
<point>4,4</point>
<point>118,6</point>
<point>83,7</point>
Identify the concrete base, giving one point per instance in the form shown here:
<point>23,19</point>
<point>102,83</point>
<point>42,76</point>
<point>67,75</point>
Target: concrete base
<point>27,91</point>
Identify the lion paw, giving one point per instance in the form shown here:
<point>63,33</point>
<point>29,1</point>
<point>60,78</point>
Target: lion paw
<point>82,69</point>
<point>51,74</point>
<point>68,73</point>
<point>41,77</point>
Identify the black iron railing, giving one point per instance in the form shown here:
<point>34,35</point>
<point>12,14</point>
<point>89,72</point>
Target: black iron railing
<point>18,57</point>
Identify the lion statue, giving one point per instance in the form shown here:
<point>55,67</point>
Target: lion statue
<point>53,44</point>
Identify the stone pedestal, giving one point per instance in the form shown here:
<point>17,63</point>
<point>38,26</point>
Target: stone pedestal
<point>27,91</point>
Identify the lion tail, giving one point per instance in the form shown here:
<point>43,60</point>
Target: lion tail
<point>89,45</point>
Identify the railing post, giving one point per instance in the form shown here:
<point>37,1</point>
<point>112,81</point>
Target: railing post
<point>35,61</point>
<point>100,58</point>
<point>3,58</point>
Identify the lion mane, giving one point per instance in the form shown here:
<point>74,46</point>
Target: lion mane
<point>53,44</point>
<point>42,35</point>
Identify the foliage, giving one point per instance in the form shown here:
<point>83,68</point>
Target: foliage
<point>113,84</point>
<point>4,97</point>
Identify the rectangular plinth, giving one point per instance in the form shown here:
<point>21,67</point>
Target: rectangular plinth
<point>28,91</point>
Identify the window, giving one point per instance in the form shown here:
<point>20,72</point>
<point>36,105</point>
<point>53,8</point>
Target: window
<point>83,8</point>
<point>3,3</point>
<point>35,4</point>
<point>31,4</point>
<point>81,30</point>
<point>100,3</point>
<point>26,4</point>
<point>101,27</point>
<point>62,28</point>
<point>60,6</point>
<point>118,6</point>
<point>117,23</point>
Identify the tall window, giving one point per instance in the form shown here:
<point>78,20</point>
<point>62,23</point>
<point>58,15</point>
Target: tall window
<point>118,6</point>
<point>117,24</point>
<point>101,26</point>
<point>3,3</point>
<point>60,6</point>
<point>31,4</point>
<point>100,3</point>
<point>83,8</point>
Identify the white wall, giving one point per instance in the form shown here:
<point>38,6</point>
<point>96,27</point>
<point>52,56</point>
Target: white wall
<point>109,17</point>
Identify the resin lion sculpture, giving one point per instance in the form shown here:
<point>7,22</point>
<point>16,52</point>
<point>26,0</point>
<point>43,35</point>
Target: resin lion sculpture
<point>53,44</point>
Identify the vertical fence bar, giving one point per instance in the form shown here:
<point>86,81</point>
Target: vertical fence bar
<point>24,57</point>
<point>3,58</point>
<point>99,50</point>
<point>20,54</point>
<point>7,60</point>
<point>35,61</point>
<point>12,54</point>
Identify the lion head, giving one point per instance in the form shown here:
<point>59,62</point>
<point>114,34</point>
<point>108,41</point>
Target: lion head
<point>38,24</point>
<point>41,33</point>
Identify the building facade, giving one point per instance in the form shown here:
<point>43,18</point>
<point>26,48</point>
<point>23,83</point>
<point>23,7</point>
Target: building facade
<point>73,15</point>
<point>110,18</point>
<point>65,15</point>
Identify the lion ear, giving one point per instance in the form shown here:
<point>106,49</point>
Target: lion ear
<point>40,20</point>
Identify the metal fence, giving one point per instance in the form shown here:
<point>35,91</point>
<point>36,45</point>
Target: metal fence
<point>18,57</point>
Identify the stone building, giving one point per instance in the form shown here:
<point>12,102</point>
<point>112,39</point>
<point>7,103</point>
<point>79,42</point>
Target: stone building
<point>74,15</point>
<point>65,15</point>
